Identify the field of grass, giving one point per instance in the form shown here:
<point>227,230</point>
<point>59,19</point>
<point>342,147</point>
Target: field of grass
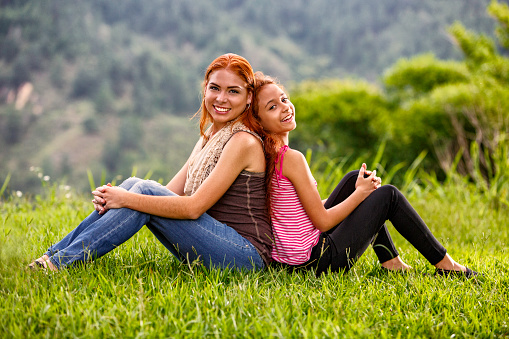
<point>139,290</point>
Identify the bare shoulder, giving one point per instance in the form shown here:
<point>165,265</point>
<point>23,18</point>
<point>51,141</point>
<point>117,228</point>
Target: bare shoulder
<point>245,140</point>
<point>294,164</point>
<point>294,157</point>
<point>246,150</point>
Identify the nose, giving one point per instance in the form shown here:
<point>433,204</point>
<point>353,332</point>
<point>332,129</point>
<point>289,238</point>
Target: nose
<point>221,97</point>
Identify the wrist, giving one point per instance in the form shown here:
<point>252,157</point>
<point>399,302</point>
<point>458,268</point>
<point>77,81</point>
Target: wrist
<point>360,195</point>
<point>127,200</point>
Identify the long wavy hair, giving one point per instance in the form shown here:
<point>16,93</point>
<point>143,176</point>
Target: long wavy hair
<point>271,143</point>
<point>242,68</point>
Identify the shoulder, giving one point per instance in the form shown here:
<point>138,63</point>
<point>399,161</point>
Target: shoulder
<point>244,150</point>
<point>294,163</point>
<point>244,139</point>
<point>294,157</point>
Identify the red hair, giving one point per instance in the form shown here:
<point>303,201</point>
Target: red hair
<point>271,143</point>
<point>242,68</point>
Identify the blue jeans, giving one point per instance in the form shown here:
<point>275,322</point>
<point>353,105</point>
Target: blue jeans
<point>204,239</point>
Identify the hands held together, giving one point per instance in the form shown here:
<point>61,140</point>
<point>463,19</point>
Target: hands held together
<point>107,197</point>
<point>367,181</point>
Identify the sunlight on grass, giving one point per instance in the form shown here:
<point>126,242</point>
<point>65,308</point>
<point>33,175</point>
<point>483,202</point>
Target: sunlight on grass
<point>140,290</point>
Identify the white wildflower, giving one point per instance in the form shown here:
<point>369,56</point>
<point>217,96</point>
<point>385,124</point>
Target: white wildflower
<point>19,194</point>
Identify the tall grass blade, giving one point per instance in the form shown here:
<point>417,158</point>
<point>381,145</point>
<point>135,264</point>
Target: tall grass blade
<point>148,175</point>
<point>91,179</point>
<point>4,185</point>
<point>409,179</point>
<point>103,177</point>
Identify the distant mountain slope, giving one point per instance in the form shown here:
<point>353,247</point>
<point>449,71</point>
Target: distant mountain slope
<point>102,71</point>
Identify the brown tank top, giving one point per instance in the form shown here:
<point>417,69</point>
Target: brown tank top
<point>243,208</point>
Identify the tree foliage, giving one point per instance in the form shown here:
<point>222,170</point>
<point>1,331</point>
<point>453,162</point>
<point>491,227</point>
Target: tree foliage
<point>116,59</point>
<point>455,104</point>
<point>427,104</point>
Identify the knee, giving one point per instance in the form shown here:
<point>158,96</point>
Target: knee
<point>350,174</point>
<point>130,182</point>
<point>145,186</point>
<point>388,191</point>
<point>142,186</point>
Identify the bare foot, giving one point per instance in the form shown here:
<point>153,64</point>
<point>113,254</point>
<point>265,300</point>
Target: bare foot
<point>447,263</point>
<point>42,263</point>
<point>396,264</point>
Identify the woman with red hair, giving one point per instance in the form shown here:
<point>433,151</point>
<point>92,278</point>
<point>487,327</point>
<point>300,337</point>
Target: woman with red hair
<point>213,210</point>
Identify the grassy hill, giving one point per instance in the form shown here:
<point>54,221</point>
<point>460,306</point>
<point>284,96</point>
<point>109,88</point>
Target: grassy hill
<point>140,290</point>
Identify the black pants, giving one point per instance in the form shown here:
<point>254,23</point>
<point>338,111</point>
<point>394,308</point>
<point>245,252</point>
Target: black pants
<point>339,248</point>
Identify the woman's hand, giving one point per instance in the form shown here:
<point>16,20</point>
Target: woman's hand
<point>100,202</point>
<point>110,197</point>
<point>366,185</point>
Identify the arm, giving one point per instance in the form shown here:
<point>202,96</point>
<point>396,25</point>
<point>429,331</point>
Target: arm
<point>176,185</point>
<point>178,182</point>
<point>296,169</point>
<point>243,151</point>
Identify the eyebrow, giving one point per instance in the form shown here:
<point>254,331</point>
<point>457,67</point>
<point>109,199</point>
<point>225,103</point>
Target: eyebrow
<point>282,95</point>
<point>213,83</point>
<point>267,104</point>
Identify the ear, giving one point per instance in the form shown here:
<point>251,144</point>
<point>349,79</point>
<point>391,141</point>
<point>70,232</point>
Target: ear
<point>249,98</point>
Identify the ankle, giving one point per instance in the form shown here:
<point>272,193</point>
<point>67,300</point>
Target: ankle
<point>447,263</point>
<point>50,265</point>
<point>396,264</point>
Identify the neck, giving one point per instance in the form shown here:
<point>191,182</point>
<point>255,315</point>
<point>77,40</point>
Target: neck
<point>216,127</point>
<point>284,138</point>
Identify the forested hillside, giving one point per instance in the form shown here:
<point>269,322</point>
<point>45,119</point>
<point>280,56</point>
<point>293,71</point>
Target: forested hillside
<point>110,85</point>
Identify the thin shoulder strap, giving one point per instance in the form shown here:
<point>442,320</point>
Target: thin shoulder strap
<point>279,161</point>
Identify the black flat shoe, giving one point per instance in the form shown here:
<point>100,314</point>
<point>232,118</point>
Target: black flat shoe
<point>446,273</point>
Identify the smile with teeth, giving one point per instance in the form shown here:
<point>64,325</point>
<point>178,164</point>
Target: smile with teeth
<point>222,109</point>
<point>288,117</point>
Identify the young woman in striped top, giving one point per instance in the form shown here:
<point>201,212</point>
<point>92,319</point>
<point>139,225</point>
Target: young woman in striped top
<point>333,235</point>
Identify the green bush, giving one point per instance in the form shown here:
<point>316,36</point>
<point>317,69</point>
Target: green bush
<point>340,117</point>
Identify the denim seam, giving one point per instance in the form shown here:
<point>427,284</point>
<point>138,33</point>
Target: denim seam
<point>223,239</point>
<point>105,235</point>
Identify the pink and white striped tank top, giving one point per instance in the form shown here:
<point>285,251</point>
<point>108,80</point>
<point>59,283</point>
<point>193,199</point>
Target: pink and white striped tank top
<point>294,233</point>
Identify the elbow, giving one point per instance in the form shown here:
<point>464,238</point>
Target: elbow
<point>193,215</point>
<point>191,209</point>
<point>321,226</point>
<point>195,212</point>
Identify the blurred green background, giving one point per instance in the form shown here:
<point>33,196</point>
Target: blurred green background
<point>109,86</point>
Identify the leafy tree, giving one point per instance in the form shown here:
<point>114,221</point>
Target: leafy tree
<point>445,106</point>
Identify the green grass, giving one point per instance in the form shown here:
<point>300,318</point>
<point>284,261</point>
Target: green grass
<point>139,290</point>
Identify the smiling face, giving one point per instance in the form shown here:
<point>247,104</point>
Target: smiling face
<point>275,110</point>
<point>226,97</point>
